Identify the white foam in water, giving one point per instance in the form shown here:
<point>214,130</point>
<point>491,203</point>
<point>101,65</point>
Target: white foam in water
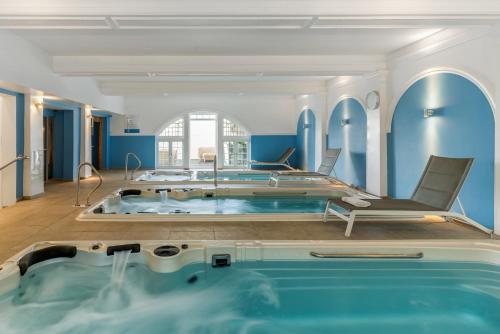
<point>70,301</point>
<point>113,297</point>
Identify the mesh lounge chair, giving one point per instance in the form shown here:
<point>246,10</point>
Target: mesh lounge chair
<point>282,161</point>
<point>435,193</point>
<point>324,170</point>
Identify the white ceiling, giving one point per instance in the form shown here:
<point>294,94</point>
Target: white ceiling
<point>224,42</point>
<point>114,40</point>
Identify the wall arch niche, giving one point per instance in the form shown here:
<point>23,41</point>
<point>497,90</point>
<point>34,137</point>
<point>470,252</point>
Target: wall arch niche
<point>347,130</point>
<point>462,125</point>
<point>306,140</point>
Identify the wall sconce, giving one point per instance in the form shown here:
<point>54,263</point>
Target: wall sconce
<point>344,122</point>
<point>428,113</point>
<point>39,106</point>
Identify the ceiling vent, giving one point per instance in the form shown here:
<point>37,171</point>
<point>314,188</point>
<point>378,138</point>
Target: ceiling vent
<point>211,22</point>
<point>55,22</point>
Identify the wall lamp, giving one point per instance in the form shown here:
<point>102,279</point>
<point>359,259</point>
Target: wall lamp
<point>344,122</point>
<point>428,113</point>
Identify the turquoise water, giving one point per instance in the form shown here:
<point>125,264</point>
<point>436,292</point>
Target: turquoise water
<point>221,176</point>
<point>348,297</point>
<point>223,205</point>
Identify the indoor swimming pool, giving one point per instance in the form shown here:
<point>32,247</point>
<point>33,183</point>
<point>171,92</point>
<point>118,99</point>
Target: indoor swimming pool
<point>202,176</point>
<point>220,203</point>
<point>253,287</point>
<point>223,176</point>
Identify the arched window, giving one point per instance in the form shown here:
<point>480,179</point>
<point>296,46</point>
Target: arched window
<point>196,139</point>
<point>171,145</point>
<point>235,144</point>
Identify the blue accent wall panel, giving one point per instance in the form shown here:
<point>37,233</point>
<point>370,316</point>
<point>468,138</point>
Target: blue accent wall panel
<point>66,138</point>
<point>19,138</point>
<point>306,140</point>
<point>462,126</point>
<point>105,150</point>
<point>351,138</point>
<point>143,146</point>
<point>271,147</point>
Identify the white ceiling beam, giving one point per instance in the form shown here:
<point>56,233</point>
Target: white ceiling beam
<point>251,7</point>
<point>217,65</point>
<point>235,87</point>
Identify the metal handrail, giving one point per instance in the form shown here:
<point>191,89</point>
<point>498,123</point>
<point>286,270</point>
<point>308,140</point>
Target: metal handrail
<point>87,201</point>
<point>126,165</point>
<point>215,171</point>
<point>18,158</point>
<point>368,255</point>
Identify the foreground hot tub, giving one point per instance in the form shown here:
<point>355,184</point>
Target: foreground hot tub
<point>214,204</point>
<point>252,287</point>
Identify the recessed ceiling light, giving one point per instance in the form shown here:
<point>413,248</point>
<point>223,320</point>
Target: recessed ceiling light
<point>165,94</point>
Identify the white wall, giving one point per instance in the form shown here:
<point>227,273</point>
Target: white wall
<point>259,114</point>
<point>33,181</point>
<point>7,149</point>
<point>24,64</point>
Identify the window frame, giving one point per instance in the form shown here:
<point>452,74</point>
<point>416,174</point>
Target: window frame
<point>220,140</point>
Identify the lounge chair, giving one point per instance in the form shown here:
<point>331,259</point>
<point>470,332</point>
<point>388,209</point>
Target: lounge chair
<point>434,195</point>
<point>324,170</point>
<point>282,161</point>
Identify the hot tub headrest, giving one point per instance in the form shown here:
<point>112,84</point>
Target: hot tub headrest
<point>45,254</point>
<point>130,192</point>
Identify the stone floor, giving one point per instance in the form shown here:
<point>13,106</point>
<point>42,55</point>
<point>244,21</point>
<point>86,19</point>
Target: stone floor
<point>52,217</point>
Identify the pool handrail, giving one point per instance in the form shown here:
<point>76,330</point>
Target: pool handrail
<point>215,171</point>
<point>126,165</point>
<point>87,200</point>
<point>18,158</point>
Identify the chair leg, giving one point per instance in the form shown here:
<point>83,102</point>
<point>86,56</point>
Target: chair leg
<point>350,224</point>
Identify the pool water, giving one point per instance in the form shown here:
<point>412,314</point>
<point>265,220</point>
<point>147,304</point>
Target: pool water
<point>222,205</point>
<point>331,296</point>
<point>221,176</point>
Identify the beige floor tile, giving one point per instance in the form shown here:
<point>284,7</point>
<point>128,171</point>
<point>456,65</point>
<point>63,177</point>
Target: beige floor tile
<point>52,217</point>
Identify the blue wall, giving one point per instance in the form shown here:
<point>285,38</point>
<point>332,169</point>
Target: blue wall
<point>106,140</point>
<point>66,142</point>
<point>67,125</point>
<point>306,140</point>
<point>351,165</point>
<point>463,126</point>
<point>143,146</point>
<point>271,147</point>
<point>19,138</point>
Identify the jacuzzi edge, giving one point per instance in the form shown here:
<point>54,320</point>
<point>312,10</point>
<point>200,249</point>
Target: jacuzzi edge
<point>485,251</point>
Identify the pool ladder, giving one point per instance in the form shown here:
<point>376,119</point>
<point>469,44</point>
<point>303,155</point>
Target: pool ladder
<point>215,171</point>
<point>126,165</point>
<point>87,200</point>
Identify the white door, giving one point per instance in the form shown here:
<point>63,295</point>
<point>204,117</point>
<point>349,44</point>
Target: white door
<point>7,149</point>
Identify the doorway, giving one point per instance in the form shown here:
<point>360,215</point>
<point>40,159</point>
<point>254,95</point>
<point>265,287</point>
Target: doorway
<point>202,140</point>
<point>97,139</point>
<point>48,145</point>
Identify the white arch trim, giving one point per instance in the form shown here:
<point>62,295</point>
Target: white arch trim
<point>342,98</point>
<point>437,70</point>
<point>201,111</point>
